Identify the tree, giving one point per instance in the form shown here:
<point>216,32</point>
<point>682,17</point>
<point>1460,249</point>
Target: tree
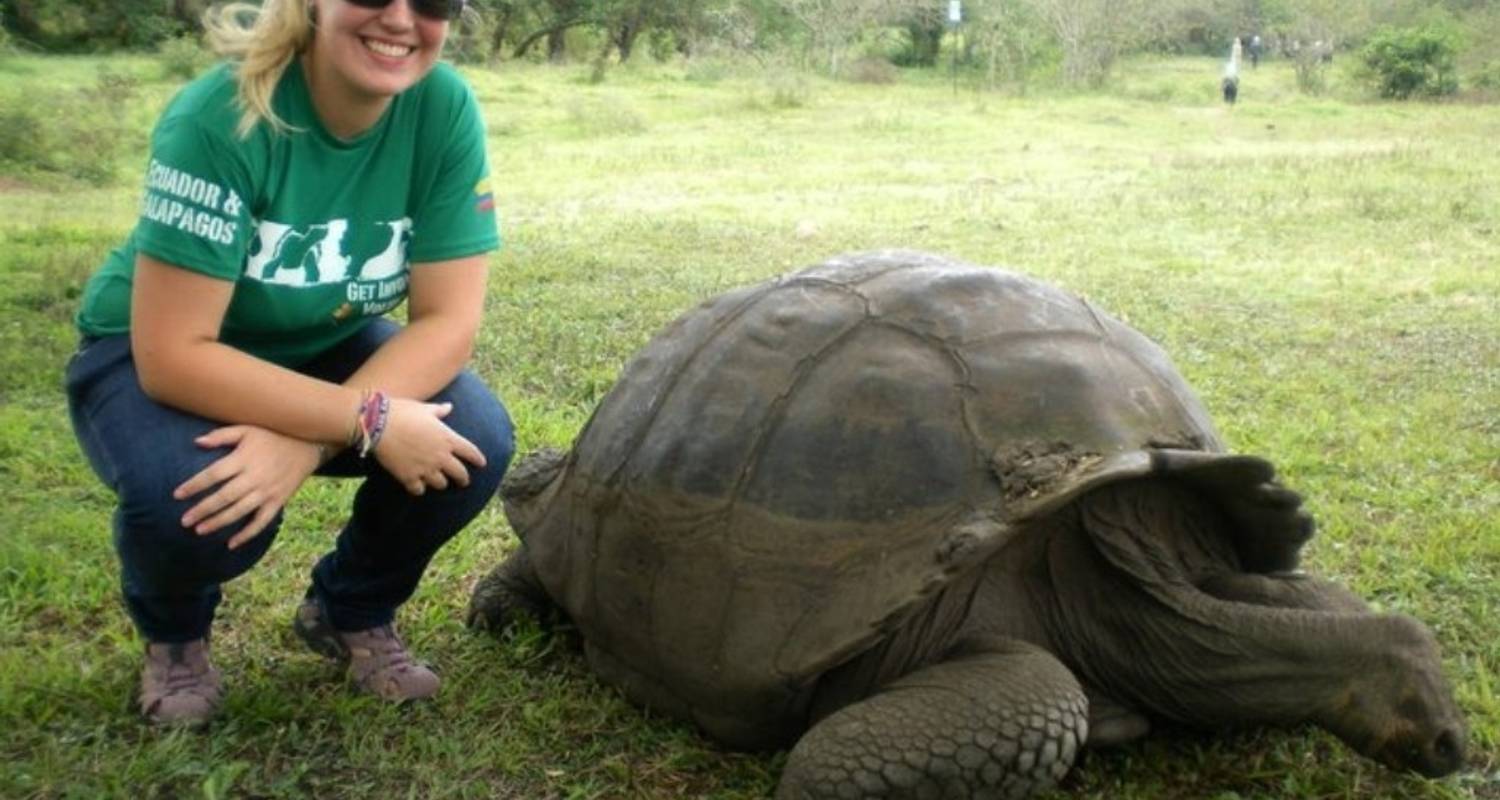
<point>72,25</point>
<point>1093,34</point>
<point>1402,62</point>
<point>1310,32</point>
<point>833,26</point>
<point>925,26</point>
<point>1009,37</point>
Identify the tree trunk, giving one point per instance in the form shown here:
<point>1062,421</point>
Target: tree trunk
<point>626,33</point>
<point>926,41</point>
<point>502,30</point>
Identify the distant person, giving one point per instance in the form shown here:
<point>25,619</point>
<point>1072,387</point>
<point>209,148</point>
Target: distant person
<point>1230,84</point>
<point>1255,50</point>
<point>205,392</point>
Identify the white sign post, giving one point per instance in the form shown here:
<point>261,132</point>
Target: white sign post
<point>955,16</point>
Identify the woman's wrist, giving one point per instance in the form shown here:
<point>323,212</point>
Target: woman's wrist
<point>370,421</point>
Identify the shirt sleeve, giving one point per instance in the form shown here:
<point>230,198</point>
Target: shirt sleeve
<point>456,218</point>
<point>195,214</point>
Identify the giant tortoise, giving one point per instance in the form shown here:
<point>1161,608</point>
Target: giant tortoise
<point>939,526</point>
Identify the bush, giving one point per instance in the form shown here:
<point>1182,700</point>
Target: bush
<point>789,89</point>
<point>872,69</point>
<point>90,25</point>
<point>183,57</point>
<point>1406,62</point>
<point>1487,76</point>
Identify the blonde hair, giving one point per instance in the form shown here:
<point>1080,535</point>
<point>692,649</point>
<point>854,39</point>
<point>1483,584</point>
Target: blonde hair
<point>261,41</point>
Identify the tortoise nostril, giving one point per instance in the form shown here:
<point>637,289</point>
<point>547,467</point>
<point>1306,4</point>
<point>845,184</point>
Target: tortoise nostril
<point>1447,752</point>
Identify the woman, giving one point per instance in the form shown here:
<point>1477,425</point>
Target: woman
<point>235,344</point>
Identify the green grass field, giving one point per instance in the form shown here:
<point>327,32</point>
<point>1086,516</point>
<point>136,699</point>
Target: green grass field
<point>1325,272</point>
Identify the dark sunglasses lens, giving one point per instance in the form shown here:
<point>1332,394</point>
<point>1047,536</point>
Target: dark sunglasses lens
<point>438,9</point>
<point>432,9</point>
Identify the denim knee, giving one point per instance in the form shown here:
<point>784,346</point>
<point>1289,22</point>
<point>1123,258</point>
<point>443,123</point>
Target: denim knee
<point>479,416</point>
<point>163,557</point>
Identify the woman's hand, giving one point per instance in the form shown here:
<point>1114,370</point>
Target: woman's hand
<point>420,451</point>
<point>255,479</point>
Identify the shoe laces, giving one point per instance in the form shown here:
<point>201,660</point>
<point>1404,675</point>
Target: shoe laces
<point>386,650</point>
<point>185,675</point>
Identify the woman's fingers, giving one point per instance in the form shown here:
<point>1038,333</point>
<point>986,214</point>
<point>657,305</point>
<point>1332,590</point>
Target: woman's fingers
<point>258,523</point>
<point>209,506</point>
<point>455,470</point>
<point>245,504</point>
<point>216,473</point>
<point>210,476</point>
<point>465,449</point>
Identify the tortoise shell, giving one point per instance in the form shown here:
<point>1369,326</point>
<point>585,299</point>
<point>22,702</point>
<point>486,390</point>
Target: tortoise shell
<point>782,475</point>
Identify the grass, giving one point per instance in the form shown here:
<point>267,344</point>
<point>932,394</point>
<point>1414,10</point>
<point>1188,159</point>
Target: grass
<point>1325,272</point>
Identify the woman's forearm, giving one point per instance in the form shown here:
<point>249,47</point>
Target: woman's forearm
<point>221,383</point>
<point>416,363</point>
<point>447,304</point>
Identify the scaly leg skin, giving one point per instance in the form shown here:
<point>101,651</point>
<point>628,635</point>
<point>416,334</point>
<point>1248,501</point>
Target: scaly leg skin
<point>997,720</point>
<point>509,594</point>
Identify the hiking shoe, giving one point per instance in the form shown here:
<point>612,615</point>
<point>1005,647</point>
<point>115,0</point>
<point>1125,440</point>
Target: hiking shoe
<point>179,686</point>
<point>378,662</point>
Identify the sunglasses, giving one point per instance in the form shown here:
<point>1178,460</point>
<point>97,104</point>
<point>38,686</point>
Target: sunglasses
<point>431,9</point>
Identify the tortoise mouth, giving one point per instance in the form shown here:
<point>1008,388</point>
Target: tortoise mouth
<point>1433,756</point>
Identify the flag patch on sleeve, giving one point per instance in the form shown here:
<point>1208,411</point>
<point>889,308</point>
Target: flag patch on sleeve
<point>484,197</point>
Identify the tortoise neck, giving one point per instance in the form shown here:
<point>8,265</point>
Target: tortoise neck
<point>1199,660</point>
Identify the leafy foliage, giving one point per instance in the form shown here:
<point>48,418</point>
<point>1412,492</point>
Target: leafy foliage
<point>1408,62</point>
<point>183,57</point>
<point>80,25</point>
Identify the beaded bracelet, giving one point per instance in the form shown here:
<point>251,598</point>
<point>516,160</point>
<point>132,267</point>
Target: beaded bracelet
<point>369,421</point>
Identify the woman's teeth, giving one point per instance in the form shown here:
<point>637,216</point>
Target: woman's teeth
<point>387,49</point>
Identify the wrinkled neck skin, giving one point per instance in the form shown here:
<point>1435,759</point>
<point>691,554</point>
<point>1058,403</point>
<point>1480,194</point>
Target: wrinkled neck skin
<point>1145,636</point>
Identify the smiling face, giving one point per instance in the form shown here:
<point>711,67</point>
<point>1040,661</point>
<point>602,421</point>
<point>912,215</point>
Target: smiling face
<point>362,57</point>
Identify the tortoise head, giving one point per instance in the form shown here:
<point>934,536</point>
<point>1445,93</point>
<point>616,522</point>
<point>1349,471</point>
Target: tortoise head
<point>1401,711</point>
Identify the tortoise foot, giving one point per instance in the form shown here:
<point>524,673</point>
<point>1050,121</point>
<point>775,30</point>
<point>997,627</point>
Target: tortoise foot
<point>509,595</point>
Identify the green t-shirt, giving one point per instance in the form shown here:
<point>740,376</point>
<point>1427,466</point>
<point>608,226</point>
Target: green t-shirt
<point>316,232</point>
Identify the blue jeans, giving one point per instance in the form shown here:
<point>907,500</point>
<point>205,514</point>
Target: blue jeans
<point>171,576</point>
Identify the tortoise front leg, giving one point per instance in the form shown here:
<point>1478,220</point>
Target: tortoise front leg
<point>508,594</point>
<point>997,718</point>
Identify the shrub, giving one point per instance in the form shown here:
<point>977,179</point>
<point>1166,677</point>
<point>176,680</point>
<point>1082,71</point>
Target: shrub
<point>1406,62</point>
<point>871,69</point>
<point>789,89</point>
<point>183,57</point>
<point>1487,76</point>
<point>88,25</point>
